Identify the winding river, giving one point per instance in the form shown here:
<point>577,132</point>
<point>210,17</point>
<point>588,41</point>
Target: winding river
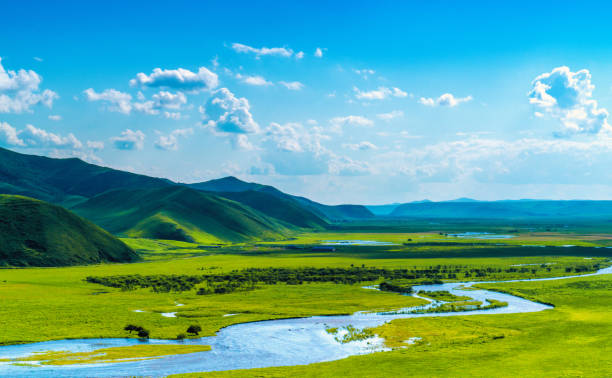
<point>260,344</point>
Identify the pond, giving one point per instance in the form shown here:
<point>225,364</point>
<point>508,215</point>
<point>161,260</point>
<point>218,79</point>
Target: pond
<point>356,242</point>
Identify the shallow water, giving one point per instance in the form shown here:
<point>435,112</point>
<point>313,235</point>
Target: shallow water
<point>259,344</point>
<point>481,235</point>
<point>356,242</point>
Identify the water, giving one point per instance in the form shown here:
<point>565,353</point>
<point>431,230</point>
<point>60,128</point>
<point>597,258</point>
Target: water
<point>356,242</point>
<point>481,235</point>
<point>260,344</point>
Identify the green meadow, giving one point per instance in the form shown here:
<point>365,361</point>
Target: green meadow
<point>41,304</point>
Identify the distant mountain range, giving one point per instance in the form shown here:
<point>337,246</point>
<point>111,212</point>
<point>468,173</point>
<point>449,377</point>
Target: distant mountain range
<point>128,204</point>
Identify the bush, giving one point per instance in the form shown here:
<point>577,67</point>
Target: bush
<point>181,336</point>
<point>131,328</point>
<point>143,334</point>
<point>195,329</point>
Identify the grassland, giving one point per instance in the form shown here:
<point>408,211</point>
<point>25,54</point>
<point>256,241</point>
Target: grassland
<point>572,340</point>
<point>57,303</point>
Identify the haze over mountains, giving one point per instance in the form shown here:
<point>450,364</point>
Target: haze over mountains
<point>226,209</point>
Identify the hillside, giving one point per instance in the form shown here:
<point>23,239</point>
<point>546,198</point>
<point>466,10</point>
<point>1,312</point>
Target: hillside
<point>36,233</point>
<point>178,213</point>
<point>64,180</point>
<point>524,209</point>
<point>331,213</point>
<point>285,210</point>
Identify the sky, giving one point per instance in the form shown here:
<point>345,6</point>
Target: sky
<point>342,102</point>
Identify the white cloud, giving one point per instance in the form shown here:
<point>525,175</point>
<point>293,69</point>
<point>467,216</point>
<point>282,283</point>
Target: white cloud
<point>230,114</point>
<point>447,99</point>
<point>35,137</point>
<point>318,53</point>
<point>293,149</point>
<point>55,117</point>
<point>364,73</point>
<point>299,55</point>
<point>122,102</point>
<point>37,59</point>
<point>254,80</point>
<point>391,115</point>
<point>379,94</point>
<point>345,166</point>
<point>170,141</point>
<point>119,101</point>
<point>567,96</point>
<point>292,85</point>
<point>352,120</point>
<point>95,145</point>
<point>129,140</point>
<point>19,91</point>
<point>8,135</point>
<point>272,51</point>
<point>362,146</point>
<point>242,142</point>
<point>178,79</point>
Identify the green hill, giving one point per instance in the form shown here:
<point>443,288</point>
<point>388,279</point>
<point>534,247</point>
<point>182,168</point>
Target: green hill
<point>332,213</point>
<point>283,209</point>
<point>64,181</point>
<point>36,233</point>
<point>178,213</point>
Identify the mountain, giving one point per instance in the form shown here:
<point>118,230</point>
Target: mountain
<point>64,181</point>
<point>379,210</point>
<point>36,233</point>
<point>284,209</point>
<point>533,209</point>
<point>178,213</point>
<point>330,213</point>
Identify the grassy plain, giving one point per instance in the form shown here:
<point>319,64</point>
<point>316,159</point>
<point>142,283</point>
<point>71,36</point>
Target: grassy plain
<point>572,340</point>
<point>57,303</point>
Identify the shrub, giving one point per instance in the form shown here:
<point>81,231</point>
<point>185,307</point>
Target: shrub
<point>181,336</point>
<point>195,329</point>
<point>143,334</point>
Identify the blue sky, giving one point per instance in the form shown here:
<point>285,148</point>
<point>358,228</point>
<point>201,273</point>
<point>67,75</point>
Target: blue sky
<point>344,102</point>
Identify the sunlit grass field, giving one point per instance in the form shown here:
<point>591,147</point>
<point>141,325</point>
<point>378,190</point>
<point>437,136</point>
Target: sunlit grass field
<point>41,304</point>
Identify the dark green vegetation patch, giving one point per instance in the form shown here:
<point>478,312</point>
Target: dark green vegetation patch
<point>35,233</point>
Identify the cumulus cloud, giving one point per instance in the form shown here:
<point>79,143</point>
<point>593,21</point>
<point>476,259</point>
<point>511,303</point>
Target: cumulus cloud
<point>292,85</point>
<point>299,55</point>
<point>19,91</point>
<point>345,166</point>
<point>229,114</point>
<point>272,51</point>
<point>254,80</point>
<point>391,115</point>
<point>8,135</point>
<point>447,99</point>
<point>95,145</point>
<point>118,101</point>
<point>379,94</point>
<point>293,149</point>
<point>55,117</point>
<point>170,142</point>
<point>568,96</point>
<point>121,102</point>
<point>178,79</point>
<point>129,140</point>
<point>362,146</point>
<point>32,137</point>
<point>318,53</point>
<point>350,120</point>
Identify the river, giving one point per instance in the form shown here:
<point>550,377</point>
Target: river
<point>269,343</point>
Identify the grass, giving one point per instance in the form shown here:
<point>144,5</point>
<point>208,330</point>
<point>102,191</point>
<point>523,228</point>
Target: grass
<point>41,304</point>
<point>36,233</point>
<point>574,339</point>
<point>109,355</point>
